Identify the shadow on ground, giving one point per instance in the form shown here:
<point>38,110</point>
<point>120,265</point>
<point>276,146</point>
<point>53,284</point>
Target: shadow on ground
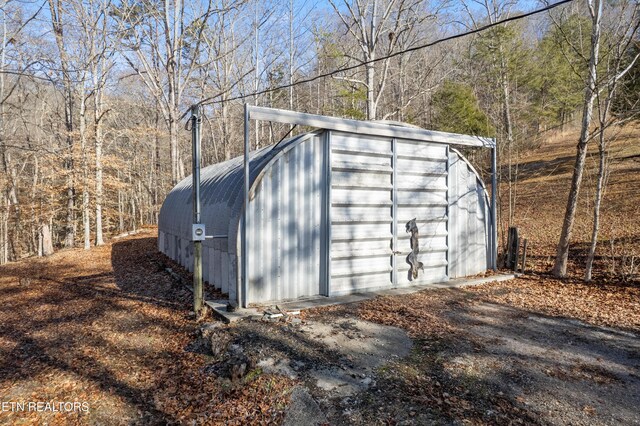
<point>104,326</point>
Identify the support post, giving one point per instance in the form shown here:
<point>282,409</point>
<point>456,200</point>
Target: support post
<point>494,206</point>
<point>244,284</point>
<point>524,257</point>
<point>394,212</point>
<point>198,291</point>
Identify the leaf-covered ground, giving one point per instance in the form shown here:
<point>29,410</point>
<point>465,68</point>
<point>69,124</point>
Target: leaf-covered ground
<point>110,327</point>
<point>541,192</point>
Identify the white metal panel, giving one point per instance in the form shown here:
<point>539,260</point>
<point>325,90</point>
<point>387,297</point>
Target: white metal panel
<point>354,179</point>
<point>285,233</point>
<point>205,263</point>
<point>423,181</point>
<point>420,150</point>
<point>361,197</point>
<point>426,213</point>
<point>361,212</point>
<point>468,211</point>
<point>422,194</point>
<point>345,213</point>
<point>421,167</point>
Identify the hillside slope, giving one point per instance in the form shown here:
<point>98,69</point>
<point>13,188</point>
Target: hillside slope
<point>544,179</point>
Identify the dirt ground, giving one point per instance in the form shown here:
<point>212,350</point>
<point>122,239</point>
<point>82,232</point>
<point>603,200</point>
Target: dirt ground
<point>110,327</point>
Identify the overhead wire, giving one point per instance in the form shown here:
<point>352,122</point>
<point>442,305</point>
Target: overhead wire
<point>213,99</point>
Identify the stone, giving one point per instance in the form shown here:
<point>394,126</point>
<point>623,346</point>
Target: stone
<point>303,410</point>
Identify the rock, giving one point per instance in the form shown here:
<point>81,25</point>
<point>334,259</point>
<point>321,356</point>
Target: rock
<point>219,342</point>
<point>297,365</point>
<point>303,410</point>
<point>238,367</point>
<point>270,365</point>
<point>366,381</point>
<point>235,349</point>
<point>208,328</point>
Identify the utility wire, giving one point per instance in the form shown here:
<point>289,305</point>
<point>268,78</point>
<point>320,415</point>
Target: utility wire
<point>211,100</point>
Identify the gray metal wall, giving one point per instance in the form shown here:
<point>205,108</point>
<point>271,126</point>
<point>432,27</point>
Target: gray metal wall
<point>222,205</point>
<point>469,224</point>
<point>365,252</point>
<point>300,244</point>
<point>361,217</point>
<point>286,227</point>
<point>422,194</point>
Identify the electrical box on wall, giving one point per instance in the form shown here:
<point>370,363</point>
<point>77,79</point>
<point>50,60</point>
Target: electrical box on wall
<point>197,232</point>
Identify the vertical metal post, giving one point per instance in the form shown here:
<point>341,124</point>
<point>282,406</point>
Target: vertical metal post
<point>394,213</point>
<point>198,292</point>
<point>494,206</point>
<point>327,152</point>
<point>245,213</point>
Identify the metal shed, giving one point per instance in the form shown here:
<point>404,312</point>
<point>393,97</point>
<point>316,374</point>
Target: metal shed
<point>328,212</point>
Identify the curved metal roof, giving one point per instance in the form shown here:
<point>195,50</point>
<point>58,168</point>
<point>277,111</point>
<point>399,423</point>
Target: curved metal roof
<point>222,195</point>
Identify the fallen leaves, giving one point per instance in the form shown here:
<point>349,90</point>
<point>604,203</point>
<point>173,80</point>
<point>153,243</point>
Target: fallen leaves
<point>109,327</point>
<point>613,304</point>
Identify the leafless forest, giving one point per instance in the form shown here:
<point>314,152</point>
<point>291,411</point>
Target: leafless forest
<point>94,94</point>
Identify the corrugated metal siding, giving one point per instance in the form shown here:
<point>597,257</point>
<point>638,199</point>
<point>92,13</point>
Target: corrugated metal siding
<point>361,220</point>
<point>421,171</point>
<point>221,189</point>
<point>469,219</point>
<point>292,245</point>
<point>285,232</point>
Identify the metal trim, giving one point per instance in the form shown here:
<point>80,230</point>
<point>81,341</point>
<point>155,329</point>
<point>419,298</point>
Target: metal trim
<point>494,208</point>
<point>329,171</point>
<point>365,127</point>
<point>447,227</point>
<point>394,212</point>
<point>244,284</point>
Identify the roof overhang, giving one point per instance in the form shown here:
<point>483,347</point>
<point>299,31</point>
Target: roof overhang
<point>366,127</point>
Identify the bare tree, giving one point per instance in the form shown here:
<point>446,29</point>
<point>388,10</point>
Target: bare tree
<point>595,8</point>
<point>169,34</point>
<point>68,91</point>
<point>376,26</point>
<point>625,25</point>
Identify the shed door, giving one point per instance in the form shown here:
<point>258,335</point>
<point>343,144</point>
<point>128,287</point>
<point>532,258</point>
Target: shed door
<point>421,193</point>
<point>361,213</point>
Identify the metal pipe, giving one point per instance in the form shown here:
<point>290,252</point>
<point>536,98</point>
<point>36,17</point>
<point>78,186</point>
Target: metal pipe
<point>494,207</point>
<point>244,284</point>
<point>198,291</point>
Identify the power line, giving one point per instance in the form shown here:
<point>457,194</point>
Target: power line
<point>210,100</point>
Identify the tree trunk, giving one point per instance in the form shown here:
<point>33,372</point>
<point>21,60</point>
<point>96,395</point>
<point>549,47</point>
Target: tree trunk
<point>173,148</point>
<point>562,254</point>
<point>508,128</point>
<point>98,136</point>
<point>596,206</point>
<point>46,239</point>
<point>86,223</point>
<point>371,105</point>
